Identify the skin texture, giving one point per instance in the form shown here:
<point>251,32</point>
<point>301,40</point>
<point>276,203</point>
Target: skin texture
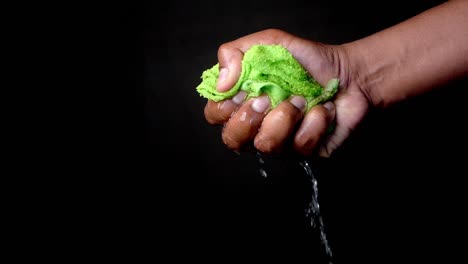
<point>397,63</point>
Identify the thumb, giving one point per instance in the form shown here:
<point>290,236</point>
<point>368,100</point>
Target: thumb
<point>230,59</point>
<point>230,54</point>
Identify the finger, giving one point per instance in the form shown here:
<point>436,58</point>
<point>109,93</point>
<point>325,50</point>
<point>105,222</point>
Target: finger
<point>352,111</point>
<point>339,135</point>
<point>278,125</point>
<point>313,128</point>
<point>245,122</point>
<point>231,53</point>
<point>334,141</point>
<point>220,112</point>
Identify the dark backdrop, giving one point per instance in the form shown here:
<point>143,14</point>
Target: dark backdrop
<point>392,191</point>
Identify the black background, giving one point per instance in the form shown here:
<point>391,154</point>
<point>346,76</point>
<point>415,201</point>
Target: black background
<point>393,191</point>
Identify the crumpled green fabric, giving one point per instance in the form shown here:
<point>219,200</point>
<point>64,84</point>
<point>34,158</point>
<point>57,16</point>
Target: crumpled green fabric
<point>271,70</point>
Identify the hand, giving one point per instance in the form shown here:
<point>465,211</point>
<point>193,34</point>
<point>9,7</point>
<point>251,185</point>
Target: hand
<point>269,129</point>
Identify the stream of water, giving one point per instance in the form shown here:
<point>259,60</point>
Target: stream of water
<point>312,212</point>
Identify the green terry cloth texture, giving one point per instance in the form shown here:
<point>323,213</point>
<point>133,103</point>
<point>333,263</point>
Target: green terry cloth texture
<point>271,70</point>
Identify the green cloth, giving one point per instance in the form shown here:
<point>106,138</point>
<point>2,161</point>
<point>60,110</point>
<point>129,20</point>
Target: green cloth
<point>269,69</point>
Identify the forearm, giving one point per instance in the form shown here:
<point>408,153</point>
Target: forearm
<point>412,57</point>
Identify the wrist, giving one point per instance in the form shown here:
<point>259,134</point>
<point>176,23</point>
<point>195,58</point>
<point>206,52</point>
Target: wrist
<point>356,73</point>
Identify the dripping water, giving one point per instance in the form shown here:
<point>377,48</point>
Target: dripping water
<point>313,210</point>
<point>261,170</point>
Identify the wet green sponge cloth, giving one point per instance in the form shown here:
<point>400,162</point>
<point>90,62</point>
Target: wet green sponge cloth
<point>269,69</point>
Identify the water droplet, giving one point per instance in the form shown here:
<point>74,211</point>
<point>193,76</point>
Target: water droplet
<point>243,117</point>
<point>260,157</point>
<point>263,173</point>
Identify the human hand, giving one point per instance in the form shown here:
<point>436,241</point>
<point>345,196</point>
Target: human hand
<point>269,129</point>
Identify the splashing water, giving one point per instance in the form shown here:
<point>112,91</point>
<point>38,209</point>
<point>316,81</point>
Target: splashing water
<point>313,210</point>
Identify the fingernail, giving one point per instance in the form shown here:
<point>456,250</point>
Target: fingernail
<point>329,106</point>
<point>239,97</point>
<point>261,104</point>
<point>223,73</point>
<point>298,101</point>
